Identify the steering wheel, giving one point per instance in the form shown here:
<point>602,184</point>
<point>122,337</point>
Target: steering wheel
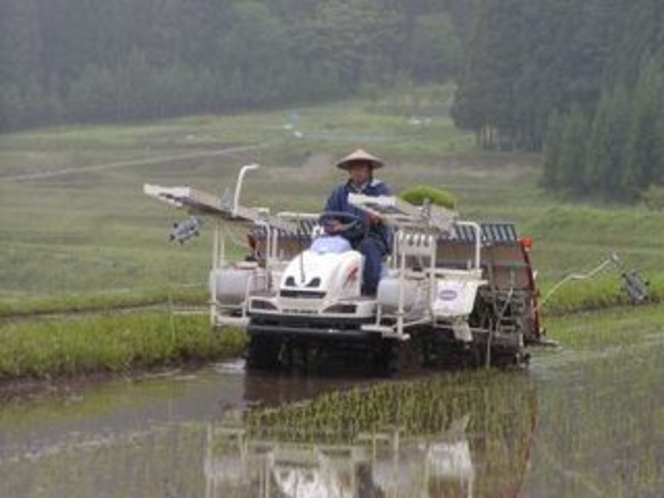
<point>348,224</point>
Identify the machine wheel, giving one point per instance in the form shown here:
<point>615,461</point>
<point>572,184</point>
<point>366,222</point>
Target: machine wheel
<point>387,357</point>
<point>263,353</point>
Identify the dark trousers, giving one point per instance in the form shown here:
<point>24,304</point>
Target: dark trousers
<point>373,251</point>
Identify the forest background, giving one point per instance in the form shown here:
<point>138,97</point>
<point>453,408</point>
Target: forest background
<point>582,80</point>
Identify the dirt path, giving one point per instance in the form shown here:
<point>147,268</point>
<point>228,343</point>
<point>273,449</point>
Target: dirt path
<point>230,151</point>
<point>174,308</point>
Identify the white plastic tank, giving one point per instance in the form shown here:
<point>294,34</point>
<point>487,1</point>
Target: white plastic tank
<point>388,295</point>
<point>231,285</point>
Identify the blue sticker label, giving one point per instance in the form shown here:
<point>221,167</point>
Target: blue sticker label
<point>447,295</point>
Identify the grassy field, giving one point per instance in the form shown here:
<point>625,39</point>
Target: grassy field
<point>74,220</point>
<point>117,344</point>
<point>77,233</point>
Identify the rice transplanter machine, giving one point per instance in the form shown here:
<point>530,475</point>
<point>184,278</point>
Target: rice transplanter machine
<point>452,291</point>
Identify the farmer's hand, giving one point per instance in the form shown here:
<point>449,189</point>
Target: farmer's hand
<point>373,219</point>
<point>333,226</point>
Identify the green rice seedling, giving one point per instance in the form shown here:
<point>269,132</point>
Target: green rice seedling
<point>603,401</point>
<point>418,194</point>
<point>417,407</point>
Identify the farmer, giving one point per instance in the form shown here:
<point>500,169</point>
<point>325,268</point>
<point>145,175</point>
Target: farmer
<point>374,241</point>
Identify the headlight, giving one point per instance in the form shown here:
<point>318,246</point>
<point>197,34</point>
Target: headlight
<point>261,304</point>
<point>349,309</point>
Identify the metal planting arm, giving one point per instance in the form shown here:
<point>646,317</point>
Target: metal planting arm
<point>229,210</point>
<point>400,214</point>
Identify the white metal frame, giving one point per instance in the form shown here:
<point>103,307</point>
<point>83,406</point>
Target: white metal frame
<point>416,231</point>
<point>274,263</point>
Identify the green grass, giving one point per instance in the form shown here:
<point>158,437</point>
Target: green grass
<point>598,293</point>
<point>92,231</point>
<point>103,302</point>
<point>595,331</point>
<point>110,343</point>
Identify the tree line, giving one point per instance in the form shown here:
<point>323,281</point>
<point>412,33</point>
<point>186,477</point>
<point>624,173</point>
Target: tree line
<point>100,60</point>
<point>582,80</point>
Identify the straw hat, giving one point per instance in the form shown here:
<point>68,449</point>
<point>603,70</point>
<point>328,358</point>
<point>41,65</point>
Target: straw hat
<point>360,155</point>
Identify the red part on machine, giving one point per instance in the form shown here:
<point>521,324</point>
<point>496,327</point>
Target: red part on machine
<point>526,244</point>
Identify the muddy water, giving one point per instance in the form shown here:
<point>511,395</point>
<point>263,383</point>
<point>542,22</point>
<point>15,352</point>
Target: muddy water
<point>584,421</point>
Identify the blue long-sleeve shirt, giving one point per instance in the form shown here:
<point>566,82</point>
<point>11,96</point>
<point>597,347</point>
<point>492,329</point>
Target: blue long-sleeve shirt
<point>338,201</point>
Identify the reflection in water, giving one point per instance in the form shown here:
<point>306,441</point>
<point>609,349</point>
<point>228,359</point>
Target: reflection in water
<point>406,439</point>
<point>465,434</point>
<point>263,389</point>
<point>385,463</point>
<point>599,410</point>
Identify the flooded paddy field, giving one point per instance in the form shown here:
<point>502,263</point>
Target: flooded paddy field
<point>584,420</point>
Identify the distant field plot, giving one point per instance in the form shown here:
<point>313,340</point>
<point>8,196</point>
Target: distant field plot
<point>74,220</point>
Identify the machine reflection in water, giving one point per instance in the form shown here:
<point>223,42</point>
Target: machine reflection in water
<point>455,435</point>
<point>383,463</point>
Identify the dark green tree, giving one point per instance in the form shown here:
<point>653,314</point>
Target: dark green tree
<point>607,146</point>
<point>571,169</point>
<point>644,162</point>
<point>552,149</point>
<point>435,52</point>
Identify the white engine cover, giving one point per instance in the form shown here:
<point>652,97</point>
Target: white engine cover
<point>338,275</point>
